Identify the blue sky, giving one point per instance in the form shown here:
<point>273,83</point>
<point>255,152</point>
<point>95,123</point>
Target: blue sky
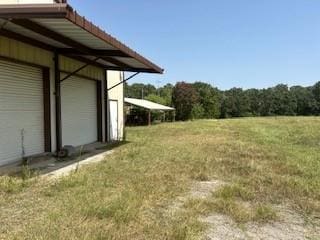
<point>227,43</point>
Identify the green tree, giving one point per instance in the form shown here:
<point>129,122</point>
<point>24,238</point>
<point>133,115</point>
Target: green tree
<point>284,102</point>
<point>156,98</point>
<point>254,96</point>
<point>139,90</point>
<point>184,97</point>
<point>208,99</point>
<point>267,103</point>
<point>306,103</point>
<point>166,93</point>
<point>316,94</point>
<point>235,103</point>
<point>197,111</point>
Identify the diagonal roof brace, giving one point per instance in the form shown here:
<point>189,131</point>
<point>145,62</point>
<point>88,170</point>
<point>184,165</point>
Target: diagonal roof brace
<point>4,23</point>
<point>78,70</point>
<point>122,82</point>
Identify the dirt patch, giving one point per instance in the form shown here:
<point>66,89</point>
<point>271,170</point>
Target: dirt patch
<point>221,227</point>
<point>200,190</point>
<point>290,226</point>
<point>205,189</point>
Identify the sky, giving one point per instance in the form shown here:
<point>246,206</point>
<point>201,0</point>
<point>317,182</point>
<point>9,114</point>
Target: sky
<point>227,43</point>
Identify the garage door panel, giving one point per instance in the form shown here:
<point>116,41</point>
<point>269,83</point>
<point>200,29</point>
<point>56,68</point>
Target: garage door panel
<point>79,111</point>
<point>21,112</point>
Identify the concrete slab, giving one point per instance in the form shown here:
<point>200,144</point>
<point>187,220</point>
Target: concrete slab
<point>47,165</point>
<point>66,170</point>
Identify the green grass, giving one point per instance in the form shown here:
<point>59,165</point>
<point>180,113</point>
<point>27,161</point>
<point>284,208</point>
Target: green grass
<point>264,161</point>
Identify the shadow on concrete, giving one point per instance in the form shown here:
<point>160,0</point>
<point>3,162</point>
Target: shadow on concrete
<point>45,164</point>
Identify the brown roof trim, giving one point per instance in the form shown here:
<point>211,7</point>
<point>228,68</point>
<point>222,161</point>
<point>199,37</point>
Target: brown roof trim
<point>96,31</point>
<point>56,10</point>
<point>63,10</point>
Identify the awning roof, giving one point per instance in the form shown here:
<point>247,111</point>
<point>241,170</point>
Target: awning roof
<point>147,104</point>
<point>57,27</point>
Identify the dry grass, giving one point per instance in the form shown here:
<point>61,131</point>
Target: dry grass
<point>266,161</point>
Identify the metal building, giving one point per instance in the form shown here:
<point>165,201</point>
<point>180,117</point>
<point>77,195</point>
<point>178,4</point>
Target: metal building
<point>55,71</point>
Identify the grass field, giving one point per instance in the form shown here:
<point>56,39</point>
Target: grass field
<point>263,161</point>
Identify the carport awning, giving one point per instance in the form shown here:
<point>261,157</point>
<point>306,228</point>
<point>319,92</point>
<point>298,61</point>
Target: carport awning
<point>57,27</point>
<point>147,104</point>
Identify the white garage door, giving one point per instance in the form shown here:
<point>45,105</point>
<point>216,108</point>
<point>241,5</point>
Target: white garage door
<point>21,112</point>
<point>113,120</point>
<point>78,111</point>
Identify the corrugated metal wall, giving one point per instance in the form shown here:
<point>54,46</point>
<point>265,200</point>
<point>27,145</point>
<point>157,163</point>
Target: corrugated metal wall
<point>24,52</point>
<point>27,53</point>
<point>69,65</point>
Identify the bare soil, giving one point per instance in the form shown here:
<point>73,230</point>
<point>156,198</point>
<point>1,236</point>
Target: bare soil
<point>289,226</point>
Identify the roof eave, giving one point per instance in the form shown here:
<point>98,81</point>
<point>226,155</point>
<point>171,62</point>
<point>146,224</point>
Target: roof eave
<point>63,10</point>
<point>55,10</point>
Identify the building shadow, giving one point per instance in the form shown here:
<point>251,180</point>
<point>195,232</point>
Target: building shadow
<point>46,164</point>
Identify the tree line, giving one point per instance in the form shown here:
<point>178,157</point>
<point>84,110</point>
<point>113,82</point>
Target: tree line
<point>201,100</point>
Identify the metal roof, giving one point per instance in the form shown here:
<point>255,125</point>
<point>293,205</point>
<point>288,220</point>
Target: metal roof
<point>147,104</point>
<point>57,27</point>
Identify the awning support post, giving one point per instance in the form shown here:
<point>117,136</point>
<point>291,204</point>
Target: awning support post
<point>149,118</point>
<point>58,102</point>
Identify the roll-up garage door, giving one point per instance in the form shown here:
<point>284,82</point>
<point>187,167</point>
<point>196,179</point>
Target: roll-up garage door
<point>78,111</point>
<point>21,112</point>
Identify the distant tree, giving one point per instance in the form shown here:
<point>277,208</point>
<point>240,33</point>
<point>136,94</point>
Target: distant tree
<point>306,103</point>
<point>197,111</point>
<point>284,102</point>
<point>316,94</point>
<point>267,103</point>
<point>201,100</point>
<point>184,97</point>
<point>208,99</point>
<point>156,98</point>
<point>235,103</point>
<point>166,93</point>
<point>255,101</point>
<point>316,91</point>
<point>139,90</point>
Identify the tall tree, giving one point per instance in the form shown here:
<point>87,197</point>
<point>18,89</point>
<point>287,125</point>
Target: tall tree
<point>139,90</point>
<point>235,103</point>
<point>184,97</point>
<point>306,103</point>
<point>284,102</point>
<point>166,93</point>
<point>208,99</point>
<point>255,103</point>
<point>267,103</point>
<point>316,94</point>
<point>156,98</point>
